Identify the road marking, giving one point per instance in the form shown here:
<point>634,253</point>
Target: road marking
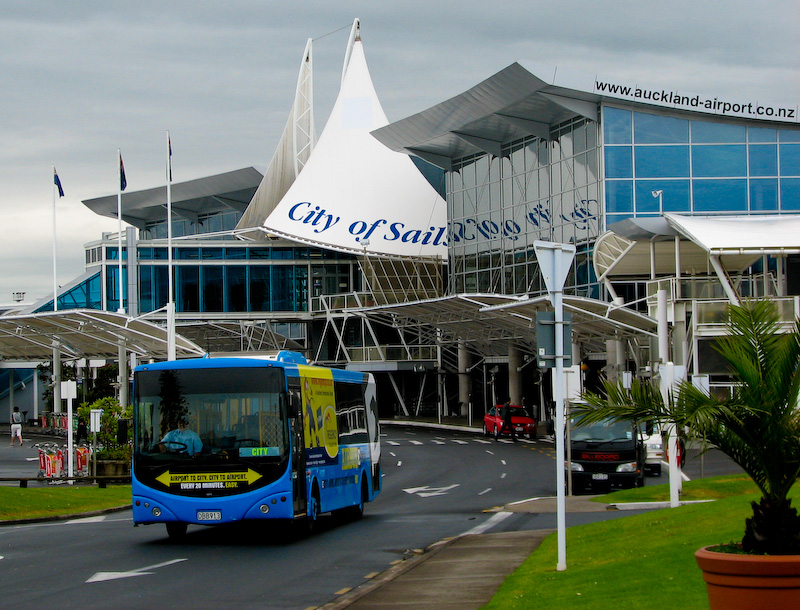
<point>489,523</point>
<point>438,442</point>
<point>460,442</point>
<point>503,462</point>
<point>95,519</point>
<point>503,476</point>
<point>485,491</point>
<point>415,442</point>
<point>482,441</point>
<point>394,443</point>
<point>104,576</point>
<point>490,452</point>
<point>427,491</point>
<point>399,462</point>
<point>343,591</point>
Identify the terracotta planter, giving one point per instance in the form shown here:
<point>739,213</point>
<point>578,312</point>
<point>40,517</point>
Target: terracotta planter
<point>739,582</point>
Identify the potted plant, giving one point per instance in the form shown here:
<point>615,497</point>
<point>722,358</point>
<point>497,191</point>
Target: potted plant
<point>758,427</point>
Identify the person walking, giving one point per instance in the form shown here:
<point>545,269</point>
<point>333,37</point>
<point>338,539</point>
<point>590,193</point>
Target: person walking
<point>505,413</point>
<point>16,426</point>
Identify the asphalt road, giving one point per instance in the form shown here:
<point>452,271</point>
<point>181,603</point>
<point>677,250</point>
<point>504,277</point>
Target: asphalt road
<point>436,485</point>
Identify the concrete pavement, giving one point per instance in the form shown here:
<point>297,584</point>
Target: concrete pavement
<point>461,573</point>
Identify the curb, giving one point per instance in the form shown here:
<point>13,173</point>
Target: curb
<point>388,575</point>
<point>91,513</point>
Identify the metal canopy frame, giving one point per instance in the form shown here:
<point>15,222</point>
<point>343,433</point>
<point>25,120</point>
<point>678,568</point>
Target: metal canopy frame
<point>85,333</point>
<point>486,323</point>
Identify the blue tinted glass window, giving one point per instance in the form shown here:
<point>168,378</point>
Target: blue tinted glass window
<point>763,159</point>
<point>789,135</point>
<point>619,162</point>
<point>790,194</point>
<point>720,195</point>
<point>612,218</point>
<point>619,196</point>
<point>235,253</point>
<point>188,253</point>
<point>616,126</point>
<point>724,161</point>
<point>764,194</point>
<point>790,159</point>
<point>717,132</point>
<point>674,195</point>
<point>662,161</point>
<point>187,289</point>
<point>259,253</point>
<point>658,129</point>
<point>762,134</point>
<point>212,288</point>
<point>236,288</point>
<point>212,253</point>
<point>260,288</point>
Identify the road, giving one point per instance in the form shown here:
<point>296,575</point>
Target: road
<point>436,485</point>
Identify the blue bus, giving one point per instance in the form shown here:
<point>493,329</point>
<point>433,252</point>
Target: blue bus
<point>222,440</point>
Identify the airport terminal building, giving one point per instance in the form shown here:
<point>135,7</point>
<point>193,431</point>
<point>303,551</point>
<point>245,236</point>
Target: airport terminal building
<point>437,291</point>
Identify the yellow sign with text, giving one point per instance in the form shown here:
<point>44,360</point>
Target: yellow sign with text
<point>208,480</point>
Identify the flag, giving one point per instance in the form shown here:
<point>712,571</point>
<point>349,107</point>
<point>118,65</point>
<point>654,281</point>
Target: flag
<point>122,181</point>
<point>169,157</point>
<point>57,182</point>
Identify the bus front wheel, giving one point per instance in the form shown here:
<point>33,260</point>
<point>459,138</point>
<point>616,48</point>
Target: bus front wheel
<point>176,530</point>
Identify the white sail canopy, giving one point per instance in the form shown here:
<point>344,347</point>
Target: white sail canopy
<point>354,194</point>
<point>294,149</point>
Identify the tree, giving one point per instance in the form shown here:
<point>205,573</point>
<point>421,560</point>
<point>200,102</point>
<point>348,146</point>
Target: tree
<point>757,426</point>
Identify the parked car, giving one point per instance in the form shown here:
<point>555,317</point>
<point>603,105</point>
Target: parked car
<point>521,420</point>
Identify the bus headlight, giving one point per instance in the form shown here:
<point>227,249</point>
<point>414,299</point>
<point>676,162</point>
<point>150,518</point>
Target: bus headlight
<point>574,466</point>
<point>629,467</point>
<point>156,511</point>
<point>264,508</point>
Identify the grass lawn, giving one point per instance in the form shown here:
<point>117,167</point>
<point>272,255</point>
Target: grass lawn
<point>17,503</point>
<point>641,561</point>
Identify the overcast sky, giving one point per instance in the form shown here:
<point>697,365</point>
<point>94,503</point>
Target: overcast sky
<point>80,79</point>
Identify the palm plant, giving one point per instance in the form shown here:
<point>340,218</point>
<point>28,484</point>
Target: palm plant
<point>758,426</point>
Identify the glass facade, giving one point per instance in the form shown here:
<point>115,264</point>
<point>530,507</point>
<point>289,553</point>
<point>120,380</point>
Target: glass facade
<point>655,162</point>
<point>537,190</point>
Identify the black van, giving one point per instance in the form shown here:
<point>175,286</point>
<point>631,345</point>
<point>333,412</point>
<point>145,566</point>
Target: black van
<point>606,455</point>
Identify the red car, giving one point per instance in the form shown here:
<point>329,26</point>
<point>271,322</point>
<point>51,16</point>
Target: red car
<point>522,422</point>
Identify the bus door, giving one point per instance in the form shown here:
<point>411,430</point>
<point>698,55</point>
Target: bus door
<point>298,447</point>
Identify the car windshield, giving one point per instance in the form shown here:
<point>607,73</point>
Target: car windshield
<point>519,412</point>
<point>606,431</point>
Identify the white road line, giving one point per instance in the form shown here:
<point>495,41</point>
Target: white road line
<point>438,442</point>
<point>490,452</point>
<point>460,442</point>
<point>394,443</point>
<point>400,462</point>
<point>503,462</point>
<point>485,491</point>
<point>482,441</point>
<point>416,442</point>
<point>489,523</point>
<point>503,476</point>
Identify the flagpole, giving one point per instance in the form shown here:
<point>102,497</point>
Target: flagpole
<point>171,350</point>
<point>120,309</point>
<point>55,264</point>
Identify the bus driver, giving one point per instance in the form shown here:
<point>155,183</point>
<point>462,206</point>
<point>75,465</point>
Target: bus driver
<point>181,440</point>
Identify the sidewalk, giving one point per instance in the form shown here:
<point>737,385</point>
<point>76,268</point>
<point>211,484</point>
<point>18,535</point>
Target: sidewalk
<point>462,573</point>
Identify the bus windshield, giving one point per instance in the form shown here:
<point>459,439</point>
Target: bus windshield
<point>210,415</point>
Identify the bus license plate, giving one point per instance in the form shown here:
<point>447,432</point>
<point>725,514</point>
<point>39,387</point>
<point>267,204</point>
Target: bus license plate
<point>209,515</point>
<point>599,476</point>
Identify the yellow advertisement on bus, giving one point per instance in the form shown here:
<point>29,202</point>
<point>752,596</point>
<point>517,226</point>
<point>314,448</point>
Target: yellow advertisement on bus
<point>320,429</point>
